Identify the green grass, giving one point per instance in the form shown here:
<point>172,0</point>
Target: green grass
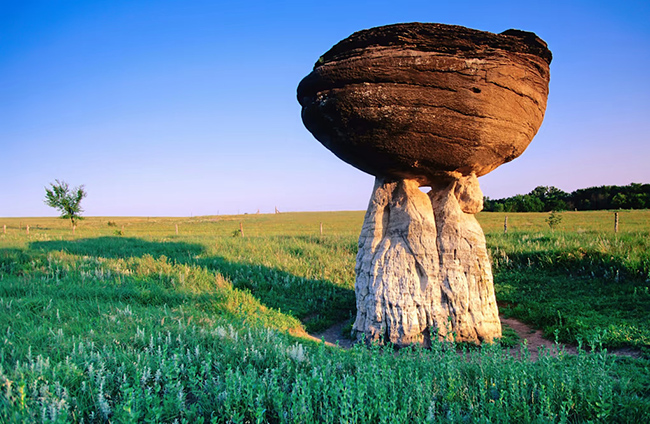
<point>576,284</point>
<point>152,326</point>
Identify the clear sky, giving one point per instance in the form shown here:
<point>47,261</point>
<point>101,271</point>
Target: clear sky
<point>180,108</point>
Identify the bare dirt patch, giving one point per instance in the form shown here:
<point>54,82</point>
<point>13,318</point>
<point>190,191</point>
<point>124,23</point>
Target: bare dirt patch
<point>535,341</point>
<point>333,336</point>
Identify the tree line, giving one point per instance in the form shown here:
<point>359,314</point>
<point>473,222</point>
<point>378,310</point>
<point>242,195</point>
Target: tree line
<point>546,199</point>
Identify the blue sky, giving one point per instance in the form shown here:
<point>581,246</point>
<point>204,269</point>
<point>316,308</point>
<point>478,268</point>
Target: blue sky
<point>179,108</point>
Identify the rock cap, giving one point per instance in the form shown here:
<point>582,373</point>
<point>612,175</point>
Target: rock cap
<point>421,100</point>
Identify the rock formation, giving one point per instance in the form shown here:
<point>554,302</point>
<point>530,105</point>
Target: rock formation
<point>426,105</point>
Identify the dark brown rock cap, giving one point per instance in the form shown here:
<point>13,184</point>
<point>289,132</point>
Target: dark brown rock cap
<point>418,100</point>
<point>442,38</point>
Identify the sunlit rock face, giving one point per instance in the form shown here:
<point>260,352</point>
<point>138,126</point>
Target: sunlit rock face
<point>422,264</point>
<point>416,100</point>
<point>426,105</point>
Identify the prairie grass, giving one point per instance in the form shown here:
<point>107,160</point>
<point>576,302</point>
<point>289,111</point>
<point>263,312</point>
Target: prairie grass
<point>151,326</point>
<point>576,283</point>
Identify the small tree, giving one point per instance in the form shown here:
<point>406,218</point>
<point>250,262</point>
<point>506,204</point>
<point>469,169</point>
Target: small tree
<point>554,219</point>
<point>67,201</point>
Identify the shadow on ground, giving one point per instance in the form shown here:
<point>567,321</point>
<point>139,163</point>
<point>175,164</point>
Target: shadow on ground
<point>121,247</point>
<point>318,303</point>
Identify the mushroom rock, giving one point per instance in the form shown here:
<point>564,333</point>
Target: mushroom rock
<point>426,105</point>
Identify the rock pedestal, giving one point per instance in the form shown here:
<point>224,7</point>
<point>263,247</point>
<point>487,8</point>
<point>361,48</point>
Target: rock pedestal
<point>432,105</point>
<point>423,264</point>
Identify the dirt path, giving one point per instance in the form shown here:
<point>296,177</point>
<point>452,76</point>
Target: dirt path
<point>535,342</point>
<point>534,338</point>
<point>333,335</point>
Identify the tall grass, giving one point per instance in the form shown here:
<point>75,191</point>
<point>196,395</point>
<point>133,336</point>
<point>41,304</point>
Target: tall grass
<point>229,374</point>
<point>202,326</point>
<point>573,284</point>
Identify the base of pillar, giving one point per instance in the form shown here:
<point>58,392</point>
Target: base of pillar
<point>422,266</point>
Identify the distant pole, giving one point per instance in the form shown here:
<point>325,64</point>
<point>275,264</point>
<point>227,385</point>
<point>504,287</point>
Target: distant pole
<point>616,222</point>
<point>505,225</point>
<point>27,230</point>
<point>321,229</point>
<point>241,228</point>
<point>4,228</point>
<point>176,229</point>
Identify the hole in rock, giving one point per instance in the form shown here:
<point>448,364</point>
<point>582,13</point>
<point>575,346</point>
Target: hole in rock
<point>476,89</point>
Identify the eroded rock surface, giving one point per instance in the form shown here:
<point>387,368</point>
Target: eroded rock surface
<point>397,265</point>
<point>426,105</point>
<point>419,100</point>
<point>422,264</point>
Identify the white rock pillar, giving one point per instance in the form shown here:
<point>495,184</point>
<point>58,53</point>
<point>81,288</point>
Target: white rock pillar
<point>422,264</point>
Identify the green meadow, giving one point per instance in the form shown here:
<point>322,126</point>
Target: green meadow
<point>187,320</point>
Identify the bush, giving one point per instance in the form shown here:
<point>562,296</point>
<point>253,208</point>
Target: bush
<point>554,220</point>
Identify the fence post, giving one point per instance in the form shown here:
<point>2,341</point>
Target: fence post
<point>27,229</point>
<point>321,229</point>
<point>176,229</point>
<point>241,228</point>
<point>616,222</point>
<point>505,225</point>
<point>4,228</point>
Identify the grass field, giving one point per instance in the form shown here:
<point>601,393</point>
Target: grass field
<point>128,321</point>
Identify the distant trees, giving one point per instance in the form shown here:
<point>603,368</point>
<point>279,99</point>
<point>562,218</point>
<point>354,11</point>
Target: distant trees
<point>541,199</point>
<point>546,199</point>
<point>66,200</point>
<point>553,198</point>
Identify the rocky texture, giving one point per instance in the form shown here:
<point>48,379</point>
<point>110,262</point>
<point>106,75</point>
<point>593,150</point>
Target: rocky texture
<point>418,100</point>
<point>426,105</point>
<point>397,265</point>
<point>423,264</point>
